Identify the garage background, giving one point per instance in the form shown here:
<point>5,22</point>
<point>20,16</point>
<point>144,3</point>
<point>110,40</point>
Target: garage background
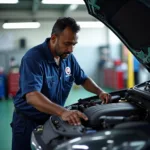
<point>97,44</point>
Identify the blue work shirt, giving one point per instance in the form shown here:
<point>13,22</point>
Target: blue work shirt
<point>39,72</point>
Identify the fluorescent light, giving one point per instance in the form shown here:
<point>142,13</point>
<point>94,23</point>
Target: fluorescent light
<point>90,24</point>
<point>21,25</point>
<point>81,2</point>
<point>8,1</point>
<point>73,7</point>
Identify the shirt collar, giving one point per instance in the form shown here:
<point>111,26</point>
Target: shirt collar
<point>47,51</point>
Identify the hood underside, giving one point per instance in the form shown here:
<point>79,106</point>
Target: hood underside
<point>129,20</point>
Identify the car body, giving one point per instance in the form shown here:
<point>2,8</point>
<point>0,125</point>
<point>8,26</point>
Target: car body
<point>124,123</point>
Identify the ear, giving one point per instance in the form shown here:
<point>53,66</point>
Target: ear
<point>53,38</point>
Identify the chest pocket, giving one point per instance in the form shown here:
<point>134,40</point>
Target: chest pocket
<point>51,81</point>
<point>51,84</point>
<point>68,82</point>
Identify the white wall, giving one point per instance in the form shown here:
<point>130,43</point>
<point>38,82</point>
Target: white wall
<point>86,50</point>
<point>114,42</point>
<point>92,37</point>
<point>32,36</point>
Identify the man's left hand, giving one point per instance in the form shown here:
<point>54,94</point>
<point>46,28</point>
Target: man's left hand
<point>105,97</point>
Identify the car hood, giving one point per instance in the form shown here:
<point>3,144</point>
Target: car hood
<point>108,140</point>
<point>129,20</point>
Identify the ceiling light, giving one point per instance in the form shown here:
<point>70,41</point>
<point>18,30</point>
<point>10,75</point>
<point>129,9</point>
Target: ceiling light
<point>73,7</point>
<point>8,1</point>
<point>21,25</point>
<point>90,24</point>
<point>81,2</point>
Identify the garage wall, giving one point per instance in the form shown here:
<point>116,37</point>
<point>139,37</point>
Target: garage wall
<point>114,43</point>
<point>86,50</point>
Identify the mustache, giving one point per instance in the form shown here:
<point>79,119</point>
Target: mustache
<point>66,53</point>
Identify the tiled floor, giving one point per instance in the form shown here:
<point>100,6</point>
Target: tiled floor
<point>6,109</point>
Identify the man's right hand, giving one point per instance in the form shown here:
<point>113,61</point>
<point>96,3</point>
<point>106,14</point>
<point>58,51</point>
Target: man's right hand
<point>73,117</point>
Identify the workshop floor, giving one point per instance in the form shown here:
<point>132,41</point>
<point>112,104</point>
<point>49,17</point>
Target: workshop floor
<point>6,109</point>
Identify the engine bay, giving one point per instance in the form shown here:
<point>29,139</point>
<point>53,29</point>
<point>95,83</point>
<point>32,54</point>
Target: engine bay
<point>126,106</point>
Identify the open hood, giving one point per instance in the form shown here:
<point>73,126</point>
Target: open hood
<point>129,20</point>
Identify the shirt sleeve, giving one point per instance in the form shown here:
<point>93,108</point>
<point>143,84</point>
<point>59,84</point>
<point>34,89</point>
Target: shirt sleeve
<point>31,76</point>
<point>79,74</point>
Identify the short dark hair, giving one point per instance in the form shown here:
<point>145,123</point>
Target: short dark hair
<point>64,22</point>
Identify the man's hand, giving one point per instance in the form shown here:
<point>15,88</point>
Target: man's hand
<point>73,117</point>
<point>105,97</point>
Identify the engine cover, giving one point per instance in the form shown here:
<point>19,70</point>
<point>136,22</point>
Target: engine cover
<point>115,111</point>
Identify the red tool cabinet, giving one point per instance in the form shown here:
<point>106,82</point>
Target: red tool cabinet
<point>13,84</point>
<point>113,79</point>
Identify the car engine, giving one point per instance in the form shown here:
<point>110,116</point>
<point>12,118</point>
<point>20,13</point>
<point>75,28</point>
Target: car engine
<point>126,106</point>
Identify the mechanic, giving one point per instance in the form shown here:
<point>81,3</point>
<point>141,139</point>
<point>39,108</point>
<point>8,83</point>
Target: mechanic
<point>47,73</point>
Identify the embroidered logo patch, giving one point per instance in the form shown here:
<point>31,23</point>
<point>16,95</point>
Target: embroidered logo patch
<point>68,70</point>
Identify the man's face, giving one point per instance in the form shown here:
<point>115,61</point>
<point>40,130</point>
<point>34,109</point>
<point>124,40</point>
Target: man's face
<point>65,43</point>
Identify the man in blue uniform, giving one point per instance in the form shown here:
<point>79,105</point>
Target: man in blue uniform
<point>47,73</point>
